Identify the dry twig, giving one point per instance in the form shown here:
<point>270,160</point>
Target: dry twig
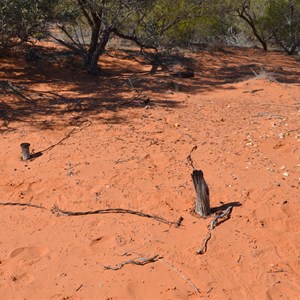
<point>68,135</point>
<point>180,274</point>
<point>141,261</point>
<point>189,158</point>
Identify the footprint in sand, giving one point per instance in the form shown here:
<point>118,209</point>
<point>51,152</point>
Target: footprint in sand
<point>28,253</point>
<point>17,266</point>
<point>23,278</point>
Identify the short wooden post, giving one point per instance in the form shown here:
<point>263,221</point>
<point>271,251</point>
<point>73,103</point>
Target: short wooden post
<point>25,152</point>
<point>202,191</point>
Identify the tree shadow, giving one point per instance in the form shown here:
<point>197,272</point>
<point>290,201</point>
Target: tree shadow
<point>52,86</point>
<point>68,96</point>
<point>224,206</point>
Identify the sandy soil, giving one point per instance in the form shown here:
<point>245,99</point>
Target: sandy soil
<point>110,147</point>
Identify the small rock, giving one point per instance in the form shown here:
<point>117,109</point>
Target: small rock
<point>282,168</point>
<point>286,174</point>
<point>281,135</point>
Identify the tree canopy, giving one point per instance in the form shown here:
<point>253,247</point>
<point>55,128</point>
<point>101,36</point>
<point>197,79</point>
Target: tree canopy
<point>86,26</point>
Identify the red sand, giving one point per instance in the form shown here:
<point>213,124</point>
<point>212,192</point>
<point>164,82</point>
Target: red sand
<point>123,154</point>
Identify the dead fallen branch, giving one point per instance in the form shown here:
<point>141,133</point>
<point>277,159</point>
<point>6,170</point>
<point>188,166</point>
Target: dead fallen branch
<point>223,216</point>
<point>59,212</point>
<point>76,128</point>
<point>141,261</point>
<point>22,204</point>
<point>180,274</point>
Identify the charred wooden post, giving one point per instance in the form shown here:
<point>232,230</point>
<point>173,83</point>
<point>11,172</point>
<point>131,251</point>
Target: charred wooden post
<point>25,152</point>
<point>202,207</point>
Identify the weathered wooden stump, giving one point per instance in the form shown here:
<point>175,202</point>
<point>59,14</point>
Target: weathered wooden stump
<point>25,152</point>
<point>202,207</point>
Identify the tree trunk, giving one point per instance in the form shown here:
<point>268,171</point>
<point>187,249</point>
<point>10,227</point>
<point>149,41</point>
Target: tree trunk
<point>202,207</point>
<point>96,50</point>
<point>251,23</point>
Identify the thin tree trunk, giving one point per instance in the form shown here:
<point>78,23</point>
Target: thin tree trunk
<point>255,32</point>
<point>91,63</point>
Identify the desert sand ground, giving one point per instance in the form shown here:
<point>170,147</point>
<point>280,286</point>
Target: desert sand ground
<point>121,140</point>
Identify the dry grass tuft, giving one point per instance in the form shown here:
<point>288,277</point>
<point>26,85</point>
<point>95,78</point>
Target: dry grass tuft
<point>264,74</point>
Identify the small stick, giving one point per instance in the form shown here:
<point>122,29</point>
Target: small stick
<point>79,287</point>
<point>141,261</point>
<point>180,274</point>
<point>119,161</point>
<point>277,271</point>
<point>25,152</point>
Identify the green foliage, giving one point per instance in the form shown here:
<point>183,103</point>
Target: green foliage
<point>66,12</point>
<point>283,20</point>
<point>162,22</point>
<point>22,20</point>
<point>270,22</point>
<point>88,25</point>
